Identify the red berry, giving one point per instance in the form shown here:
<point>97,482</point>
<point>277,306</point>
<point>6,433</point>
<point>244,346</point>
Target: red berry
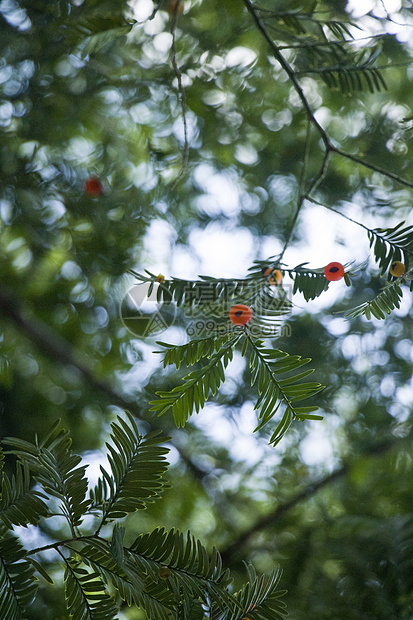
<point>93,187</point>
<point>240,314</point>
<point>334,271</point>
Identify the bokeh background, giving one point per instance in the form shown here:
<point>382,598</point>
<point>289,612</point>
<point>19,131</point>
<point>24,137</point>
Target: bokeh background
<point>97,89</point>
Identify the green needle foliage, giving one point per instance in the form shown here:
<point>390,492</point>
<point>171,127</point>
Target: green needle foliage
<point>86,595</point>
<point>392,244</point>
<point>55,469</point>
<point>126,488</point>
<point>166,573</point>
<point>216,296</point>
<point>267,365</point>
<point>260,597</point>
<point>383,304</point>
<point>285,107</point>
<point>268,370</point>
<point>350,73</point>
<point>197,386</point>
<point>20,504</point>
<point>389,245</point>
<point>18,583</point>
<point>310,284</point>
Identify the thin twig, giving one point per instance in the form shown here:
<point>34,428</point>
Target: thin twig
<point>347,217</point>
<point>315,183</point>
<point>370,166</point>
<point>63,543</point>
<point>328,145</point>
<point>289,71</point>
<point>300,200</point>
<point>182,96</point>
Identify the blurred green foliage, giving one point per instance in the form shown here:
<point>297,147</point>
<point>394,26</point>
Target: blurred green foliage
<point>89,89</point>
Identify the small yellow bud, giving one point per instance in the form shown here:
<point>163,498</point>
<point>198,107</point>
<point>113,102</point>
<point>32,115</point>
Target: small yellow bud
<point>397,269</point>
<point>160,278</point>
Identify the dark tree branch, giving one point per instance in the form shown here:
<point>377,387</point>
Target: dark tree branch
<point>57,348</point>
<point>236,548</point>
<point>181,90</point>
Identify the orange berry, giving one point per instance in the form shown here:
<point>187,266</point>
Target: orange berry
<point>240,314</point>
<point>334,271</point>
<point>275,276</point>
<point>397,269</point>
<point>160,278</point>
<point>278,277</point>
<point>93,187</point>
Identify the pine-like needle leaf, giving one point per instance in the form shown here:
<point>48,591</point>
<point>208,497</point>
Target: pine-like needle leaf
<point>86,595</point>
<point>260,597</point>
<point>269,368</point>
<point>383,304</point>
<point>17,582</point>
<point>137,466</point>
<point>391,244</point>
<point>191,569</point>
<point>56,469</point>
<point>198,385</point>
<point>19,503</point>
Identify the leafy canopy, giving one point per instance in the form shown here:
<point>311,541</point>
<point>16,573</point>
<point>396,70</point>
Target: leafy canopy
<point>318,119</point>
<point>166,573</point>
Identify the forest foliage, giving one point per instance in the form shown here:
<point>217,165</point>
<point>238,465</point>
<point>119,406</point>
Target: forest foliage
<point>277,135</point>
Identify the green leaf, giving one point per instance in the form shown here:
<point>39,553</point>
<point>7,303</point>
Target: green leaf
<point>206,291</point>
<point>137,466</point>
<point>191,352</point>
<point>309,283</point>
<point>136,581</point>
<point>56,470</point>
<point>86,596</point>
<point>40,569</point>
<point>19,504</point>
<point>116,545</point>
<point>339,64</point>
<point>267,368</point>
<point>391,244</point>
<point>198,385</point>
<point>212,298</point>
<point>193,572</point>
<point>259,599</point>
<point>383,304</point>
<point>17,582</point>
